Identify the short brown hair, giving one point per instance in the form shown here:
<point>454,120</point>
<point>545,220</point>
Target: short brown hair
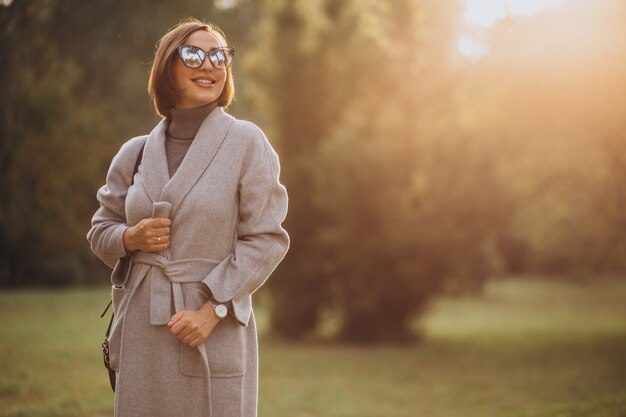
<point>161,84</point>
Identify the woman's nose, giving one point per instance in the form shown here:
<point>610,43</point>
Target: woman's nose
<point>206,65</point>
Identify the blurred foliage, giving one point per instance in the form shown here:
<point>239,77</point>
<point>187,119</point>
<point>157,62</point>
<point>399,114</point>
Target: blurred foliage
<point>74,89</point>
<point>386,227</point>
<point>549,101</point>
<point>411,170</point>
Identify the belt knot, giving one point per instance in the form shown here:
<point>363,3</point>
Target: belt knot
<point>165,283</point>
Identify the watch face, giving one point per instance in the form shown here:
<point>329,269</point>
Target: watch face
<point>221,311</point>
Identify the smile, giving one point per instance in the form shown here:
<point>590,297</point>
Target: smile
<point>205,81</point>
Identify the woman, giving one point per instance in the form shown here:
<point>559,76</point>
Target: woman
<point>190,237</point>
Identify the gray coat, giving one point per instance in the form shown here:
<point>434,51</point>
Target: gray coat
<point>226,205</point>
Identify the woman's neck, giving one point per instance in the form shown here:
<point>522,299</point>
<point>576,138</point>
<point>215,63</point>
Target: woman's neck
<point>184,123</point>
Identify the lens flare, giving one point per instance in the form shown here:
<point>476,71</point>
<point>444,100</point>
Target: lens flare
<point>486,13</point>
<point>482,15</point>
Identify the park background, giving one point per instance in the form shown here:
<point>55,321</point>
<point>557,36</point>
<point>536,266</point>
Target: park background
<point>457,181</point>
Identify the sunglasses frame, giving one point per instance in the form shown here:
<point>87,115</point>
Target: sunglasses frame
<point>230,49</point>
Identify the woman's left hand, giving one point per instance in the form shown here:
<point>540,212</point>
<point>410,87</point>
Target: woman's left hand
<point>193,326</point>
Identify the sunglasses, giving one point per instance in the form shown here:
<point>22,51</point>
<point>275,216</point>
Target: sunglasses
<point>193,57</point>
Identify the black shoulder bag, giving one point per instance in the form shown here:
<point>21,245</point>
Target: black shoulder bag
<point>105,344</point>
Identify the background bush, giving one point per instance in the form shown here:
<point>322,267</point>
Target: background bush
<point>411,171</point>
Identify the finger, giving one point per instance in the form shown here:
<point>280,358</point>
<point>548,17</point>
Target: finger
<point>177,327</point>
<point>159,240</point>
<point>175,318</point>
<point>182,327</point>
<point>186,332</point>
<point>189,338</point>
<point>159,222</point>
<point>172,323</point>
<point>197,342</point>
<point>146,223</point>
<point>157,247</point>
<point>157,231</point>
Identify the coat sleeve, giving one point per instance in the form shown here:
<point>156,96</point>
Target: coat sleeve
<point>109,222</point>
<point>261,240</point>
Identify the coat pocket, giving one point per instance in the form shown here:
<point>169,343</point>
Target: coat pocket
<point>119,297</point>
<point>225,346</point>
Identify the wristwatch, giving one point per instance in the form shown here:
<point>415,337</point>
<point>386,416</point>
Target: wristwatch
<point>220,309</point>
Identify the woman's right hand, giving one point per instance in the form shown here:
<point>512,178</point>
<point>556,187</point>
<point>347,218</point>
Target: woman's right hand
<point>149,235</point>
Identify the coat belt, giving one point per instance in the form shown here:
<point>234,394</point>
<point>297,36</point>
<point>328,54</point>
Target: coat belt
<point>165,286</point>
<point>165,282</point>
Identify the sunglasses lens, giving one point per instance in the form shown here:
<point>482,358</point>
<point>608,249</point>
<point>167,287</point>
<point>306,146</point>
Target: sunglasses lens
<point>192,57</point>
<point>221,58</point>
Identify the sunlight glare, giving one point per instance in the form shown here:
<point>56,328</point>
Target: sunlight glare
<point>487,12</point>
<point>484,14</point>
<point>471,47</point>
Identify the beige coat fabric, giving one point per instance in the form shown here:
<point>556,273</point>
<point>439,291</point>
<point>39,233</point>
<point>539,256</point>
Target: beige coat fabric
<point>227,206</point>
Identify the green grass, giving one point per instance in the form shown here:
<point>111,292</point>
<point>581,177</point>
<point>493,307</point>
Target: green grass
<point>525,348</point>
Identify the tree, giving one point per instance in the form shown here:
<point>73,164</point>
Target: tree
<point>382,183</point>
<point>74,89</point>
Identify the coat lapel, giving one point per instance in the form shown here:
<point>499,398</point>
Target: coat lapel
<point>153,169</point>
<point>205,145</point>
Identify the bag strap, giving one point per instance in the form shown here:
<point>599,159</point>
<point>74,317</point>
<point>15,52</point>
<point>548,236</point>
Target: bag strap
<point>137,163</point>
<point>110,321</point>
<point>132,181</point>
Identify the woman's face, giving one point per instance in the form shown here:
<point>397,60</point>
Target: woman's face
<point>193,83</point>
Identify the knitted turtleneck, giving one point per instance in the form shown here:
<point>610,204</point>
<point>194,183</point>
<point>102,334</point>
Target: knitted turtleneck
<point>183,127</point>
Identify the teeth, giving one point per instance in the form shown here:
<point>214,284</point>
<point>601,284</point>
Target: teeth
<point>205,81</point>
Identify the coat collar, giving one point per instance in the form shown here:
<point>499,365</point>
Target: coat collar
<point>154,172</point>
